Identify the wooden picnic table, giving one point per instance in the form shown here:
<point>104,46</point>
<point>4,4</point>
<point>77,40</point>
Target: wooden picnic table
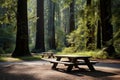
<point>72,61</point>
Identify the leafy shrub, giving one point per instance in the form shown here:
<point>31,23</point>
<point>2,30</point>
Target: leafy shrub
<point>60,39</point>
<point>68,50</point>
<point>7,39</point>
<point>101,54</point>
<point>77,39</point>
<point>2,51</point>
<point>117,45</point>
<point>97,54</point>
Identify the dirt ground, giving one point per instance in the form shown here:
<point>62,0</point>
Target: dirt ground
<point>41,70</point>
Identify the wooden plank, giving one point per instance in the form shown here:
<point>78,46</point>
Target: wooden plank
<point>60,62</point>
<point>72,56</point>
<point>81,62</point>
<point>91,61</point>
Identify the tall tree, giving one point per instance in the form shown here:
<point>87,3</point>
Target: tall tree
<point>98,44</point>
<point>107,29</point>
<point>21,48</point>
<point>39,43</point>
<point>90,27</point>
<point>99,31</point>
<point>72,18</point>
<point>51,27</point>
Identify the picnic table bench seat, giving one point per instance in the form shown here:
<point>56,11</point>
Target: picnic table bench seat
<point>91,61</point>
<point>60,62</point>
<point>80,62</point>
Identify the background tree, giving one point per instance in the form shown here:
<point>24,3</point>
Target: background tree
<point>7,25</point>
<point>22,48</point>
<point>61,21</point>
<point>98,43</point>
<point>107,28</point>
<point>90,24</point>
<point>39,42</point>
<point>51,27</point>
<point>32,19</point>
<point>72,18</point>
<point>116,25</point>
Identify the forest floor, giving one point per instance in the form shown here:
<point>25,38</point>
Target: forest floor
<point>41,70</point>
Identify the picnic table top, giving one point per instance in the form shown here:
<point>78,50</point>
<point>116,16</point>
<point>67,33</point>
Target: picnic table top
<point>72,56</point>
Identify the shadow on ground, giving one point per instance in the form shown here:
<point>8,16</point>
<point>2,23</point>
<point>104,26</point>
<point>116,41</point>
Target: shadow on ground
<point>111,65</point>
<point>86,72</point>
<point>43,71</point>
<point>4,75</point>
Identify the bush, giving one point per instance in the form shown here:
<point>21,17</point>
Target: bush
<point>2,51</point>
<point>68,50</point>
<point>97,54</point>
<point>101,55</point>
<point>117,45</point>
<point>77,39</point>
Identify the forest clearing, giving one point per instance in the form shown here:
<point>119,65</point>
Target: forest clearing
<point>79,30</point>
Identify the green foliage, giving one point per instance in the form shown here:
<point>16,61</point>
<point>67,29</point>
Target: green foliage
<point>7,24</point>
<point>7,39</point>
<point>8,12</point>
<point>116,26</point>
<point>69,50</point>
<point>60,39</point>
<point>8,58</point>
<point>116,39</point>
<point>117,45</point>
<point>2,51</point>
<point>97,54</point>
<point>91,16</point>
<point>32,58</point>
<point>32,18</point>
<point>115,14</point>
<point>64,3</point>
<point>77,38</point>
<point>100,54</point>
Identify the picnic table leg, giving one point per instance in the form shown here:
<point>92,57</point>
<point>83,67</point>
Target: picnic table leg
<point>90,66</point>
<point>55,64</point>
<point>69,68</point>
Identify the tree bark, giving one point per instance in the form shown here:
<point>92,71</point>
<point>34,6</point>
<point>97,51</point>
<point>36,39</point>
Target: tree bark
<point>107,29</point>
<point>39,43</point>
<point>51,27</point>
<point>72,19</point>
<point>22,48</point>
<point>99,36</point>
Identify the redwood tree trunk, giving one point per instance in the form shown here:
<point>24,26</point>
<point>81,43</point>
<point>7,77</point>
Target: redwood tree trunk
<point>99,36</point>
<point>22,48</point>
<point>107,29</point>
<point>72,19</point>
<point>51,27</point>
<point>39,43</point>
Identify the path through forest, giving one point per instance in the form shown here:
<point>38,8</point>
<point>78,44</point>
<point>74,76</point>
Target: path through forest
<point>41,70</point>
